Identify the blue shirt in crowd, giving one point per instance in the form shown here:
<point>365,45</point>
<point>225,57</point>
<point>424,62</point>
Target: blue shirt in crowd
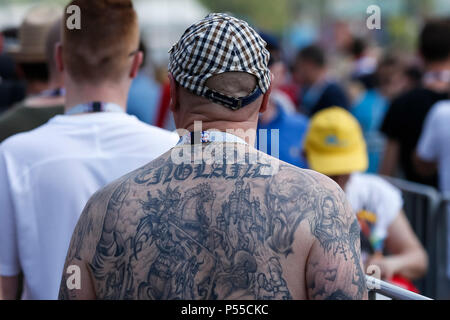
<point>292,131</point>
<point>143,100</point>
<point>370,111</point>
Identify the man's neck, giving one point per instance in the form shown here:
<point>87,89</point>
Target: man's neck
<point>81,94</point>
<point>244,130</point>
<point>436,84</point>
<point>320,77</point>
<point>438,66</point>
<point>270,114</point>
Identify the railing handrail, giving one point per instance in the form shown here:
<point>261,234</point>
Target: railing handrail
<point>415,187</point>
<point>392,291</point>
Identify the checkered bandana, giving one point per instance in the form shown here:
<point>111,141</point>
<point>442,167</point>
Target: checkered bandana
<point>220,43</point>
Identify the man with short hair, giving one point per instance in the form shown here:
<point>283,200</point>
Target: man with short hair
<point>48,174</point>
<point>319,90</point>
<point>214,218</point>
<point>404,119</point>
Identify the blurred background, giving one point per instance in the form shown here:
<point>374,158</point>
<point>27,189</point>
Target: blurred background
<point>323,54</point>
<point>297,22</point>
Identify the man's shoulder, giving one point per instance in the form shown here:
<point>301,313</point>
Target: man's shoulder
<point>305,180</point>
<point>99,201</point>
<point>29,139</point>
<point>441,110</point>
<point>405,109</point>
<point>415,97</point>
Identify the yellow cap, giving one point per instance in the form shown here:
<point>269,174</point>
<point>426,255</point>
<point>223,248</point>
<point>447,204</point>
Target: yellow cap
<point>335,144</point>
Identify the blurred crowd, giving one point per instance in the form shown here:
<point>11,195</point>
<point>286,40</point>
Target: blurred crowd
<point>387,114</point>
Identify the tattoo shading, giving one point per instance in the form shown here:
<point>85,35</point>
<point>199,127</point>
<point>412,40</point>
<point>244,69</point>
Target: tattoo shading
<point>213,241</point>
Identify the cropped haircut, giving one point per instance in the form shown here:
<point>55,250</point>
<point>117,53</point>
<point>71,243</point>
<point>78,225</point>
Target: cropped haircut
<point>434,40</point>
<point>102,48</point>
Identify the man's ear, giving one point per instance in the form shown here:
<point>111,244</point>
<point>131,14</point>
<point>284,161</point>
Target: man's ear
<point>173,93</point>
<point>137,63</point>
<point>59,57</point>
<point>266,98</point>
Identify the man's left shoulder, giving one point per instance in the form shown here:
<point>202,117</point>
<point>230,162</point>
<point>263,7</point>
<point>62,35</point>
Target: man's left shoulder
<point>441,109</point>
<point>26,142</point>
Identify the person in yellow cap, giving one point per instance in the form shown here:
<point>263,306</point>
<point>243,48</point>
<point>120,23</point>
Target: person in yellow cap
<point>335,146</point>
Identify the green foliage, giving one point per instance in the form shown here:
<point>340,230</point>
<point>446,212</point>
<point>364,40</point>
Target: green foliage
<point>272,15</point>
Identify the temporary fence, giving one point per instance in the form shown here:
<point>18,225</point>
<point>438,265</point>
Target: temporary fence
<point>440,260</point>
<point>426,210</point>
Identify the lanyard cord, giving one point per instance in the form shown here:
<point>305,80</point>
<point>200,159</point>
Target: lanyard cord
<point>94,107</point>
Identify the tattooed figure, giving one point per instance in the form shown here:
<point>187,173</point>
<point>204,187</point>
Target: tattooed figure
<point>198,224</point>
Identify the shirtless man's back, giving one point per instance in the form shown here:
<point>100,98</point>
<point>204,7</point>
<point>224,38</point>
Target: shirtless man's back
<point>228,231</point>
<point>214,218</point>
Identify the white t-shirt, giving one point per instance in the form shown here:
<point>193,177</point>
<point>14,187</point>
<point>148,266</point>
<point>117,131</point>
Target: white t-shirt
<point>376,204</point>
<point>434,146</point>
<point>47,176</point>
<point>434,143</point>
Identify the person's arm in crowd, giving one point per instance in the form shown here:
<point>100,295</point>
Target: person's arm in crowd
<point>390,158</point>
<point>407,256</point>
<point>9,287</point>
<point>423,167</point>
<point>429,144</point>
<point>334,269</point>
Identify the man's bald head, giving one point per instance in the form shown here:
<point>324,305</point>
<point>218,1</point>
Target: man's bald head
<point>234,84</point>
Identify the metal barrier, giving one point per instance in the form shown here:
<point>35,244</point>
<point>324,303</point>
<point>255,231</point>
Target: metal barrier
<point>388,290</point>
<point>422,205</point>
<point>441,240</point>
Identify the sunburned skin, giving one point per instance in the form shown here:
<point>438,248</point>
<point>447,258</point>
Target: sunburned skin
<point>217,231</point>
